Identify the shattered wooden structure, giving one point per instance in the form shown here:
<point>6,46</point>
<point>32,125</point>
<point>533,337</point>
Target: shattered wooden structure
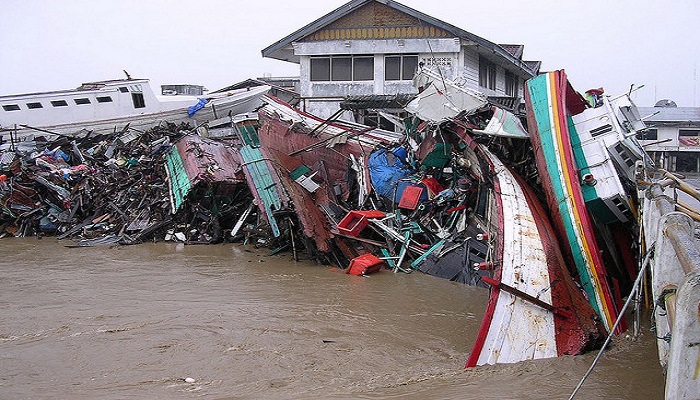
<point>106,189</point>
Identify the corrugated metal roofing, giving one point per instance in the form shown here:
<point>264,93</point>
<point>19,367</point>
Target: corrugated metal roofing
<point>193,160</point>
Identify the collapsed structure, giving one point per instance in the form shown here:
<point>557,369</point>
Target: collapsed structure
<point>456,194</point>
<point>446,180</point>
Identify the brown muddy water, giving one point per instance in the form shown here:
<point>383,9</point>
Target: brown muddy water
<point>133,322</point>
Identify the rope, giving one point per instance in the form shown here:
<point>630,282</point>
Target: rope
<point>636,285</point>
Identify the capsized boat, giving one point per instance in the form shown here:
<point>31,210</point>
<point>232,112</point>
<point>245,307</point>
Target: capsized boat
<point>115,105</point>
<point>535,308</point>
<point>551,102</point>
<point>194,161</point>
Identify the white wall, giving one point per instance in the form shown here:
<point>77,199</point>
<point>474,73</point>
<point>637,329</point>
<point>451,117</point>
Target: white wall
<point>455,61</point>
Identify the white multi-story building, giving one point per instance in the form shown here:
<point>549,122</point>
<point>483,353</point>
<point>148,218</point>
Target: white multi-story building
<point>672,138</point>
<point>370,49</point>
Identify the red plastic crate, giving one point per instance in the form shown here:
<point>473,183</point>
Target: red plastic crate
<point>410,197</point>
<point>364,265</point>
<point>353,223</point>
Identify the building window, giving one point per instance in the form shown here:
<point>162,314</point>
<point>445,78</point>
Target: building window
<point>511,84</point>
<point>363,68</point>
<point>33,106</point>
<point>104,99</point>
<point>59,103</point>
<point>400,67</point>
<point>342,68</point>
<point>374,119</point>
<point>138,100</point>
<point>11,107</point>
<point>648,134</point>
<point>689,138</point>
<point>688,132</point>
<point>320,69</point>
<point>123,89</point>
<point>487,74</point>
<point>82,101</point>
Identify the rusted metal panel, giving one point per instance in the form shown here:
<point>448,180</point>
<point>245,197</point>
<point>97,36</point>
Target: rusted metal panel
<point>194,160</point>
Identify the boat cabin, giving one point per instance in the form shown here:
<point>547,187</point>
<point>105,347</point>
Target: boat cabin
<point>90,101</point>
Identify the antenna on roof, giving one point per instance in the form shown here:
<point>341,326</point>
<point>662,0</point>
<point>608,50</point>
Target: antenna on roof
<point>128,77</point>
<point>633,88</point>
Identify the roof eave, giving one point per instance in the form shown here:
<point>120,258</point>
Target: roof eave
<point>273,51</point>
<point>286,42</point>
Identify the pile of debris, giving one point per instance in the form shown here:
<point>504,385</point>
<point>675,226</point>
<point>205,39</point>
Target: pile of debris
<point>455,192</point>
<point>102,189</point>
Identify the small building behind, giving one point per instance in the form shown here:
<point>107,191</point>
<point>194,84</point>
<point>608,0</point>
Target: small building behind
<point>370,49</point>
<point>188,90</point>
<point>672,138</point>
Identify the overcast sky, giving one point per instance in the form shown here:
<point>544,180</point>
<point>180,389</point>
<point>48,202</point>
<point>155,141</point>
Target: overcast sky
<point>50,44</point>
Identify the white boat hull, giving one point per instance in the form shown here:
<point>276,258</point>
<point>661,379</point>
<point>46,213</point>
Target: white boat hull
<point>115,116</point>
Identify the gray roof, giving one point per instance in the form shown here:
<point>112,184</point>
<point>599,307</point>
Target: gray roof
<point>516,50</point>
<point>282,49</point>
<point>670,115</point>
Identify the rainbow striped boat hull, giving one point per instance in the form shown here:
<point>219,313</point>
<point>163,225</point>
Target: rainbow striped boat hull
<point>551,101</point>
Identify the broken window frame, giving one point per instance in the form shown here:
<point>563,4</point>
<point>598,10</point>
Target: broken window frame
<point>686,161</point>
<point>373,118</point>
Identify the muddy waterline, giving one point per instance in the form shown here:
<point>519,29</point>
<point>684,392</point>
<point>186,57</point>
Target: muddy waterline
<point>136,321</point>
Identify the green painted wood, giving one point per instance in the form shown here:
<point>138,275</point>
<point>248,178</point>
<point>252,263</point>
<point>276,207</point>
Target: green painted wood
<point>591,197</point>
<point>180,184</point>
<point>439,157</point>
<point>249,134</point>
<point>264,184</point>
<point>540,97</point>
<point>299,171</point>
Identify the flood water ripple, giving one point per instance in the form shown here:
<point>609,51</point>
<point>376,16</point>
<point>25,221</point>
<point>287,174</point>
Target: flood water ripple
<point>134,322</point>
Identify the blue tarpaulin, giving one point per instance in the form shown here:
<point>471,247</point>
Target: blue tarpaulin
<point>193,109</point>
<point>387,169</point>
